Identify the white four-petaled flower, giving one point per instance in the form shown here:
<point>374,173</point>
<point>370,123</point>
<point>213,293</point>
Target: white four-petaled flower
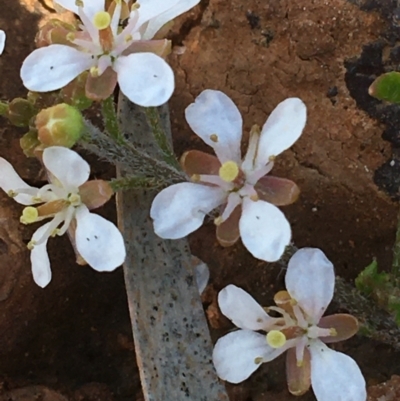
<point>243,187</point>
<point>97,240</point>
<point>116,55</point>
<point>2,41</point>
<point>301,331</point>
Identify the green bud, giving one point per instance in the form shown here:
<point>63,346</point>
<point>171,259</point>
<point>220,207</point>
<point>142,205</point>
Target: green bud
<point>386,87</point>
<point>20,111</point>
<point>29,142</point>
<point>60,125</point>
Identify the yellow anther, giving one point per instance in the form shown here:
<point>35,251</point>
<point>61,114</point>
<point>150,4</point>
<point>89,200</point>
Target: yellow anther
<point>276,339</point>
<point>214,137</point>
<point>255,129</point>
<point>94,72</point>
<point>11,193</point>
<point>71,36</point>
<point>31,245</point>
<point>254,197</point>
<point>218,220</point>
<point>135,6</point>
<point>229,171</point>
<point>299,364</point>
<point>333,332</point>
<point>128,38</point>
<point>195,177</point>
<point>102,20</point>
<point>272,158</point>
<point>29,215</point>
<point>258,360</point>
<point>55,232</point>
<point>79,3</point>
<point>74,199</point>
<point>36,199</point>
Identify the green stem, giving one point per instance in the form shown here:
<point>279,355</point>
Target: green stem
<point>111,120</point>
<point>153,118</point>
<point>3,108</point>
<point>396,251</point>
<point>134,182</point>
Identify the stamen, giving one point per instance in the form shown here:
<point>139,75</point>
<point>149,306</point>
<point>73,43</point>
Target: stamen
<point>102,20</point>
<point>258,360</point>
<point>229,171</point>
<point>218,220</point>
<point>135,6</point>
<point>79,3</point>
<point>214,137</point>
<point>31,245</point>
<point>94,72</point>
<point>74,199</point>
<point>276,339</point>
<point>29,215</point>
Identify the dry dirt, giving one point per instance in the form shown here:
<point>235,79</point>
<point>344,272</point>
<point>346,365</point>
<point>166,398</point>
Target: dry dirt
<point>74,337</point>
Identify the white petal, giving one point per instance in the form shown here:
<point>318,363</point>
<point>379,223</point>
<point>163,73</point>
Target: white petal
<point>310,280</point>
<point>152,8</point>
<point>52,67</point>
<point>2,41</point>
<point>282,129</point>
<point>202,273</point>
<point>98,241</point>
<point>335,376</point>
<point>240,307</point>
<point>264,230</point>
<point>66,165</point>
<point>160,20</point>
<point>41,270</point>
<point>214,113</point>
<point>10,180</point>
<point>145,79</point>
<point>180,209</point>
<point>234,354</point>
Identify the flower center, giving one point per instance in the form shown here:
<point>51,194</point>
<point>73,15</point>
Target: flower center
<point>102,20</point>
<point>229,171</point>
<point>276,339</point>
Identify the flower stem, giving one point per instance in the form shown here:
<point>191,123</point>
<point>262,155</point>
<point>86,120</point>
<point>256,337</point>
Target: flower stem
<point>160,136</point>
<point>396,251</point>
<point>135,182</point>
<point>111,120</point>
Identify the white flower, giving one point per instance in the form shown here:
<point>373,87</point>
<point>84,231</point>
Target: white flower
<point>301,331</point>
<point>248,195</point>
<point>110,54</point>
<point>2,41</point>
<point>65,200</point>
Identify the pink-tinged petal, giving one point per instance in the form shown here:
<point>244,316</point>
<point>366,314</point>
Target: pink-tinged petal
<point>52,67</point>
<point>197,162</point>
<point>95,193</point>
<point>66,165</point>
<point>278,191</point>
<point>335,376</point>
<point>310,280</point>
<point>41,270</point>
<point>149,9</point>
<point>238,354</point>
<point>2,41</point>
<point>346,326</point>
<point>98,241</point>
<point>217,121</point>
<point>264,230</point>
<point>228,231</point>
<point>298,377</point>
<point>282,129</point>
<point>145,79</point>
<point>11,181</point>
<point>101,87</point>
<point>244,311</point>
<point>159,47</point>
<point>160,20</point>
<point>180,209</point>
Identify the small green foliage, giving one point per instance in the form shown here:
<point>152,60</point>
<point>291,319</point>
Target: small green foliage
<point>29,142</point>
<point>386,87</point>
<point>20,112</point>
<point>369,279</point>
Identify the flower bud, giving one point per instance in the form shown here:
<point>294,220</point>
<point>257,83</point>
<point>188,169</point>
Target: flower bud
<point>29,142</point>
<point>20,111</point>
<point>60,125</point>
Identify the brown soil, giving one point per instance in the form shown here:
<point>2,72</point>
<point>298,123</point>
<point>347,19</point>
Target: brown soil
<point>72,338</point>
